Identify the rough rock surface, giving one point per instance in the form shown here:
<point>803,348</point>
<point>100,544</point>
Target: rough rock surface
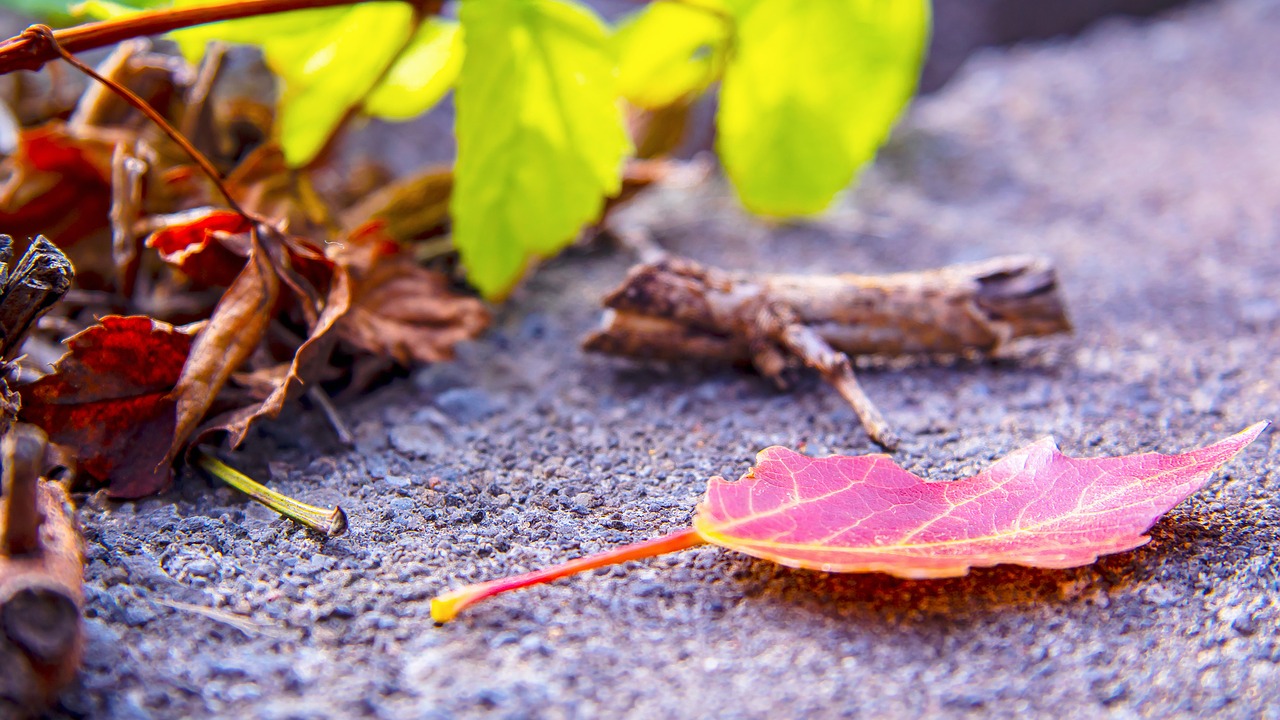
<point>1143,157</point>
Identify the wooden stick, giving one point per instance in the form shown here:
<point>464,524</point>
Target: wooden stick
<point>40,588</point>
<point>678,309</point>
<point>23,451</point>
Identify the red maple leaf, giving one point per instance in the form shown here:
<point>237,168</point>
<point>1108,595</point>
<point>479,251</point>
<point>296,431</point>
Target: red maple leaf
<point>1035,507</point>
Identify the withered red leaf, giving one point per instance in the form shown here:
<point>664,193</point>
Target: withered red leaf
<point>306,365</point>
<point>195,242</point>
<point>57,184</point>
<point>107,399</point>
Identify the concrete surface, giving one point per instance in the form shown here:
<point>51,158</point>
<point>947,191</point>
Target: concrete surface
<point>1143,157</point>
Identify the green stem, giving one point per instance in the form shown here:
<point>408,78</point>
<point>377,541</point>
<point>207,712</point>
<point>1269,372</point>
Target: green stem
<point>447,606</point>
<point>330,522</point>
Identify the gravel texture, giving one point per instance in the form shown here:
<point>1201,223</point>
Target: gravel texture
<point>1143,157</point>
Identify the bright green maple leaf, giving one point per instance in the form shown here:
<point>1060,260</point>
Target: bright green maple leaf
<point>541,138</point>
<point>329,70</point>
<point>669,50</point>
<point>811,92</point>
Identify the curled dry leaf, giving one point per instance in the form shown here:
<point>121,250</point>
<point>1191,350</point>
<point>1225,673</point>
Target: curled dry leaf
<point>209,246</point>
<point>233,331</point>
<point>409,208</point>
<point>1036,507</point>
<point>307,363</point>
<point>399,309</point>
<point>369,293</point>
<point>108,400</point>
<point>198,243</point>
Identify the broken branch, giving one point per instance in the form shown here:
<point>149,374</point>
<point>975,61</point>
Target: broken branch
<point>678,309</point>
<point>835,367</point>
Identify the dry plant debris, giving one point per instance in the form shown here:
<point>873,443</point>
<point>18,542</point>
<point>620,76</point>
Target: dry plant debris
<point>677,309</point>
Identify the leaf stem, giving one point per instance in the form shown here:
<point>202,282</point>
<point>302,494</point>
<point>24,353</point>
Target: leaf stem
<point>330,522</point>
<point>447,606</point>
<point>26,53</point>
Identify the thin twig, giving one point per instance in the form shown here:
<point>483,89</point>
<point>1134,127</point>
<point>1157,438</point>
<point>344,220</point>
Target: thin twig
<point>321,398</point>
<point>835,367</point>
<point>239,622</point>
<point>640,241</point>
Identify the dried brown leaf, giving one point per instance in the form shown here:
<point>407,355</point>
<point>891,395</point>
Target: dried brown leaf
<point>308,362</point>
<point>233,331</point>
<point>400,309</point>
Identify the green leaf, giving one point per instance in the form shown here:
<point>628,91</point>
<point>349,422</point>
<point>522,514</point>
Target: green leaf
<point>95,9</point>
<point>811,92</point>
<point>285,34</point>
<point>422,74</point>
<point>331,70</point>
<point>541,137</point>
<point>323,57</point>
<point>668,51</point>
<point>38,8</point>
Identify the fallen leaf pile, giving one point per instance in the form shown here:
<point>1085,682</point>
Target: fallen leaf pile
<point>1035,507</point>
<point>189,319</point>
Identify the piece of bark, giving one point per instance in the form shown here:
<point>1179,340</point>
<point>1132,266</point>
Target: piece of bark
<point>39,280</point>
<point>41,595</point>
<point>678,309</point>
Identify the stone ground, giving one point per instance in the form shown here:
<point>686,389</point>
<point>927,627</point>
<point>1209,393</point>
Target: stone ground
<point>1143,157</point>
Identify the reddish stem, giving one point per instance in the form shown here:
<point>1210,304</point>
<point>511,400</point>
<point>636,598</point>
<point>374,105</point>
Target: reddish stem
<point>22,53</point>
<point>447,606</point>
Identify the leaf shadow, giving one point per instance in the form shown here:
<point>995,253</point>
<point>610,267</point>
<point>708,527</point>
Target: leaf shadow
<point>985,592</point>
